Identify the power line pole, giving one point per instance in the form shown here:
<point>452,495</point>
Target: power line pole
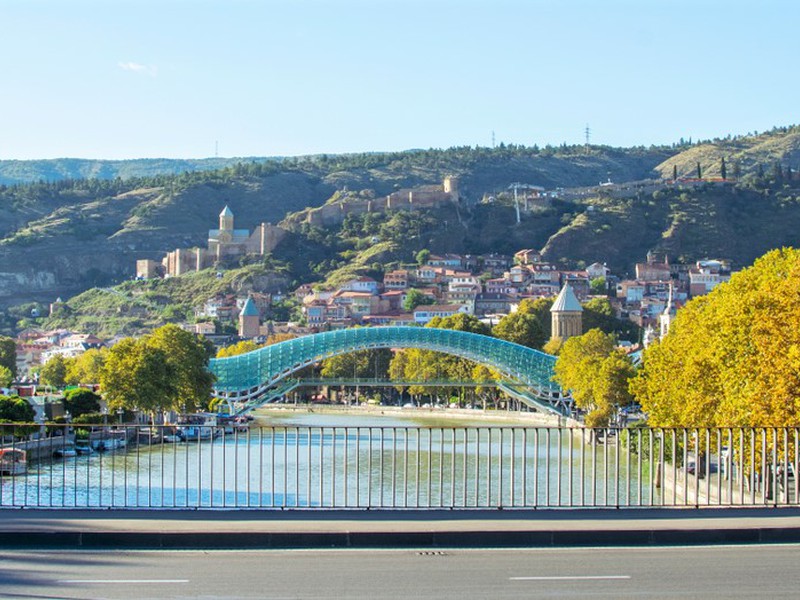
<point>493,139</point>
<point>588,133</point>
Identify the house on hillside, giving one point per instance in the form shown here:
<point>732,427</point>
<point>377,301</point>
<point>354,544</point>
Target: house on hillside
<point>424,314</point>
<point>361,284</point>
<point>451,261</point>
<point>706,275</point>
<point>396,280</point>
<point>596,270</point>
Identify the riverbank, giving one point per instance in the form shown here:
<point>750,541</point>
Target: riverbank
<point>453,416</point>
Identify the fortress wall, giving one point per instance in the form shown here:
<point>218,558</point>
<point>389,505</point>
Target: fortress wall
<point>271,236</point>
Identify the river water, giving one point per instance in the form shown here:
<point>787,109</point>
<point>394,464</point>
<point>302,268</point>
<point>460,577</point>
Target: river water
<point>311,460</point>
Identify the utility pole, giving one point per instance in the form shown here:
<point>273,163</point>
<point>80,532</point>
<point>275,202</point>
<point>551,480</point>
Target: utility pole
<point>493,139</point>
<point>587,132</point>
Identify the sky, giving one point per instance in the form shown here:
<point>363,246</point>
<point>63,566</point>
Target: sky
<point>192,79</point>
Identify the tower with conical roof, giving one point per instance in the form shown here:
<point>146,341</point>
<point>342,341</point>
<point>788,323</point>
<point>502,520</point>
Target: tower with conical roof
<point>249,320</point>
<point>225,225</point>
<point>566,314</point>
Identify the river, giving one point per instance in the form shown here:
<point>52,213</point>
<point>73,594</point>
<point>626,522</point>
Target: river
<point>304,459</point>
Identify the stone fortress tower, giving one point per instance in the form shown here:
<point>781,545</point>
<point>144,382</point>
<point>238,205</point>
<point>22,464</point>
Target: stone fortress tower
<point>566,315</point>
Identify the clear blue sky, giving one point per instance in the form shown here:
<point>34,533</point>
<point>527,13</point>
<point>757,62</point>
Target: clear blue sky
<point>170,78</point>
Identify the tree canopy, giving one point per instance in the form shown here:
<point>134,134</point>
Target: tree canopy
<point>81,401</point>
<point>732,357</point>
<point>86,368</point>
<point>415,298</point>
<point>166,370</point>
<point>8,354</point>
<point>596,373</point>
<point>521,328</point>
<point>14,409</point>
<point>54,371</point>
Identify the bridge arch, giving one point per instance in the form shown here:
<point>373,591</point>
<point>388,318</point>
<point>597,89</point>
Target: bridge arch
<point>247,376</point>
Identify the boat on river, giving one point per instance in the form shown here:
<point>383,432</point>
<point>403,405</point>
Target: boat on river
<point>198,426</point>
<point>13,461</point>
<point>111,439</point>
<point>230,424</point>
<point>67,451</point>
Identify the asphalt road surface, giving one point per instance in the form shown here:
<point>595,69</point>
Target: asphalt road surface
<point>672,572</point>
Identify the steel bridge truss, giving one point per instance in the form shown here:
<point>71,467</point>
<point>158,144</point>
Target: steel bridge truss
<point>258,375</point>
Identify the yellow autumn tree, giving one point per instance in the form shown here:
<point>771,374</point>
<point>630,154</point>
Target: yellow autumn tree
<point>596,373</point>
<point>732,357</point>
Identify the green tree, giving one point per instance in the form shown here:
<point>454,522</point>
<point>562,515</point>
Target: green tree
<point>723,171</point>
<point>138,376</point>
<point>6,378</point>
<point>674,172</point>
<point>187,359</point>
<point>732,357</point>
<point>539,308</point>
<point>86,368</point>
<point>460,322</point>
<point>8,354</point>
<point>699,171</point>
<point>81,401</point>
<point>520,328</point>
<point>598,286</point>
<point>598,314</point>
<point>415,298</point>
<point>14,409</point>
<point>363,364</point>
<point>54,371</point>
<point>423,256</point>
<point>596,374</point>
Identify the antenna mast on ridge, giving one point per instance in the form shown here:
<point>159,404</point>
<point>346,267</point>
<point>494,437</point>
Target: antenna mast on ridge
<point>587,132</point>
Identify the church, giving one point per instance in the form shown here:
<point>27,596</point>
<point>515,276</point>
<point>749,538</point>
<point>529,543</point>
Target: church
<point>224,244</point>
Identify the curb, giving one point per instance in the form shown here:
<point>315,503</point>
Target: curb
<point>375,539</point>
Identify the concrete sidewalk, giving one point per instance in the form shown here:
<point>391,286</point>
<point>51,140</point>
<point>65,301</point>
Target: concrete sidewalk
<point>198,529</point>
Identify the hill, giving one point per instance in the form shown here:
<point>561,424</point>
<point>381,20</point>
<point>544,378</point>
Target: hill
<point>62,238</point>
<point>743,155</point>
<point>59,238</point>
<point>137,306</point>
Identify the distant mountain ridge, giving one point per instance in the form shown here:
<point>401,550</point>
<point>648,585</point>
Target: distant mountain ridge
<point>14,172</point>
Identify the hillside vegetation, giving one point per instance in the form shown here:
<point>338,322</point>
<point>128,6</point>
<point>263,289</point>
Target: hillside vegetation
<point>64,237</point>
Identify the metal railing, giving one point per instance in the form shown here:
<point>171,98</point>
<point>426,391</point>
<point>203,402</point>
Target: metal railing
<point>198,466</point>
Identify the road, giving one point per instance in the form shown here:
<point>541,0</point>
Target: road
<point>665,572</point>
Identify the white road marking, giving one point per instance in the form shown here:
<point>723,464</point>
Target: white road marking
<point>570,578</point>
<point>123,581</point>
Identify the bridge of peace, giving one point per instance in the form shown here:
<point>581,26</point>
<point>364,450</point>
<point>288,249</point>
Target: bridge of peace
<point>263,375</point>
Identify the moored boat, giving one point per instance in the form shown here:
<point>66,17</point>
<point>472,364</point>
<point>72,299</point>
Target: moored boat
<point>67,451</point>
<point>13,461</point>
